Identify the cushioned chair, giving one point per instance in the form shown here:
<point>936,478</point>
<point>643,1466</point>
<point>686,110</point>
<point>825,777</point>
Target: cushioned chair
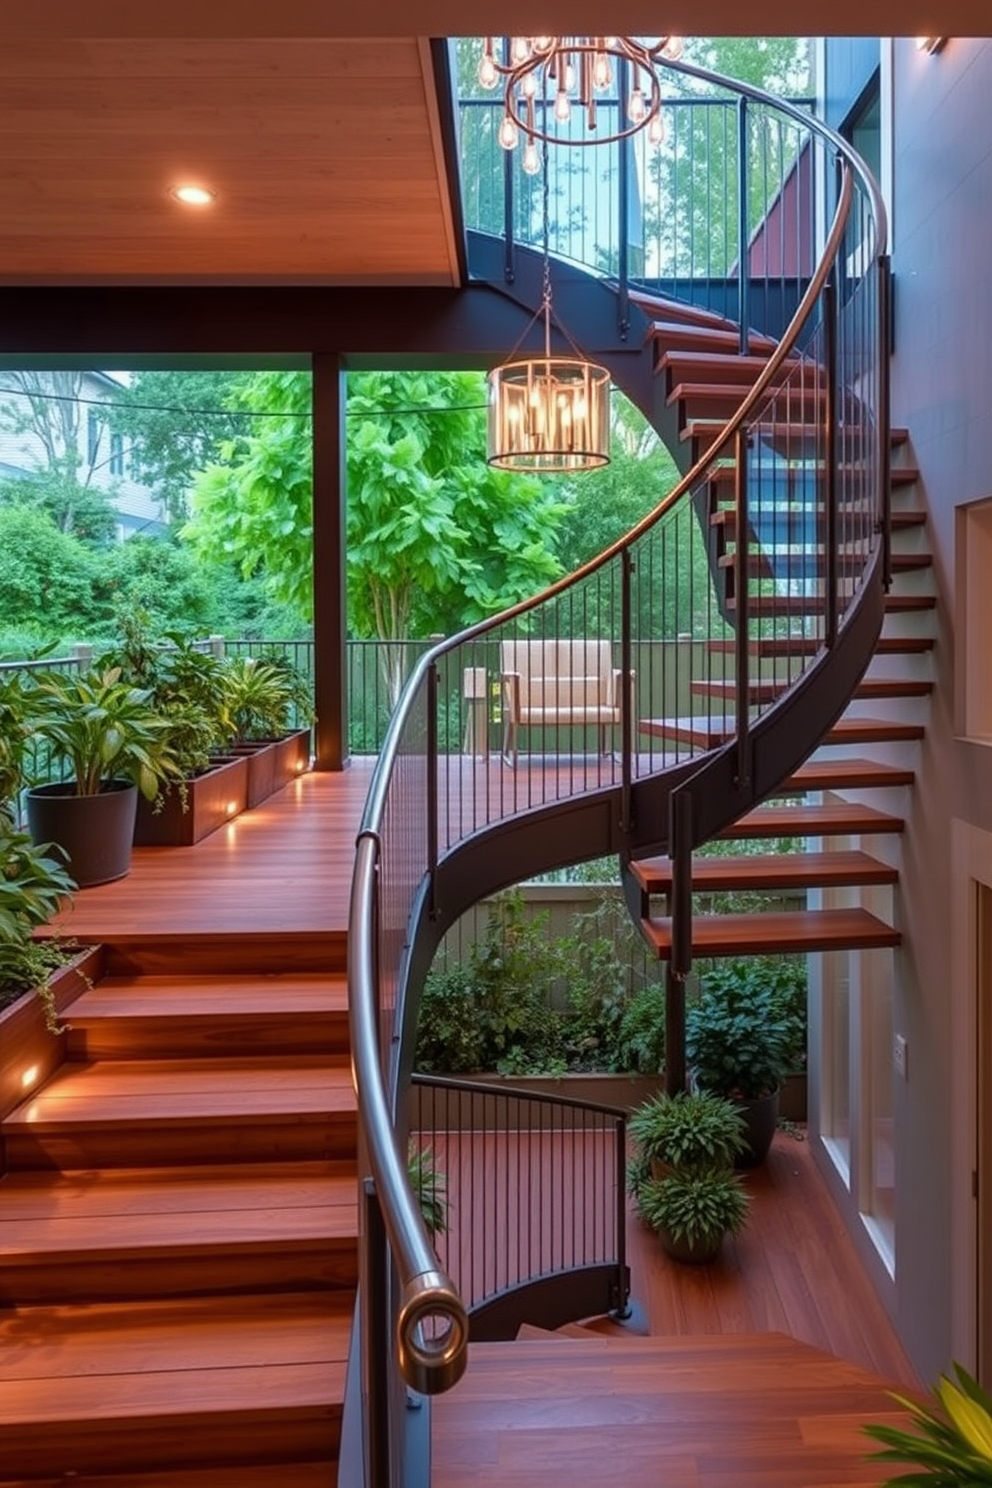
<point>554,683</point>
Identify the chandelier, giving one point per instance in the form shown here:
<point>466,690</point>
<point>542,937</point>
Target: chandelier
<point>548,412</point>
<point>551,75</point>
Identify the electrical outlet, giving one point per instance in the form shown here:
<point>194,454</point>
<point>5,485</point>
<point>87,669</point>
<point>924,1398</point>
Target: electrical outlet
<point>900,1056</point>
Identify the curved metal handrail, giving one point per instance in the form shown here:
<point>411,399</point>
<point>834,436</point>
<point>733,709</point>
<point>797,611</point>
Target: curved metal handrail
<point>425,1289</point>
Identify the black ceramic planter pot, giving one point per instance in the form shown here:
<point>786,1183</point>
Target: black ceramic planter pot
<point>95,831</point>
<point>760,1125</point>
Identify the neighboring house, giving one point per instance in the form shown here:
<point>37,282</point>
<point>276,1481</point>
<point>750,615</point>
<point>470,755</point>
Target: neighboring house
<point>105,458</point>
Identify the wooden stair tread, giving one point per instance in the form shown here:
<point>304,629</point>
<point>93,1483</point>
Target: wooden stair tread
<point>767,871</point>
<point>886,645</point>
<point>188,1357</point>
<point>770,933</point>
<point>710,733</point>
<point>244,1475</point>
<point>669,332</point>
<point>798,605</point>
<point>45,1214</point>
<point>846,774</point>
<point>767,689</point>
<point>200,996</point>
<point>832,819</point>
<point>187,1091</point>
<point>744,370</point>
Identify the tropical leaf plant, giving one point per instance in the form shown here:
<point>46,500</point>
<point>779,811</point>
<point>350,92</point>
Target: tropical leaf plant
<point>950,1442</point>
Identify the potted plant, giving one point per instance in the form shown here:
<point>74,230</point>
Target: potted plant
<point>113,743</point>
<point>263,694</point>
<point>186,686</point>
<point>429,1185</point>
<point>951,1443</point>
<point>681,1172</point>
<point>33,883</point>
<point>738,1044</point>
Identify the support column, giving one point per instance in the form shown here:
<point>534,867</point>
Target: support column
<point>329,542</point>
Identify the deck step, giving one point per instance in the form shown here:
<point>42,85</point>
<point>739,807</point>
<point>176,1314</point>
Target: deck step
<point>122,1233</point>
<point>833,819</point>
<point>710,733</point>
<point>122,1387</point>
<point>123,1017</point>
<point>769,871</point>
<point>123,1113</point>
<point>770,934</point>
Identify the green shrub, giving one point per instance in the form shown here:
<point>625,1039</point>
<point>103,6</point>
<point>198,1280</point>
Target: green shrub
<point>695,1207</point>
<point>739,1039</point>
<point>690,1130</point>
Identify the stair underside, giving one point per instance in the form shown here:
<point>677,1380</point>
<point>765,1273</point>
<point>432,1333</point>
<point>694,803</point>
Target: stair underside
<point>711,874</point>
<point>773,933</point>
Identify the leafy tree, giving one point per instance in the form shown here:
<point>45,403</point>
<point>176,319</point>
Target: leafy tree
<point>47,578</point>
<point>81,511</point>
<point>435,538</point>
<point>175,420</point>
<point>158,575</point>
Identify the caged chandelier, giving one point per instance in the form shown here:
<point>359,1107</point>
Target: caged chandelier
<point>555,75</point>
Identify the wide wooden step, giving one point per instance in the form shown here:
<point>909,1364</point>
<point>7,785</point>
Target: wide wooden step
<point>710,733</point>
<point>769,934</point>
<point>124,1017</point>
<point>669,333</point>
<point>833,819</point>
<point>770,871</point>
<point>125,1387</point>
<point>700,400</point>
<point>718,367</point>
<point>149,1232</point>
<point>722,1411</point>
<point>125,1113</point>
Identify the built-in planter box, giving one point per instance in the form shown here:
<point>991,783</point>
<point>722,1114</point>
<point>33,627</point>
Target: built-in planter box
<point>28,1052</point>
<point>292,757</point>
<point>463,1110</point>
<point>212,798</point>
<point>260,758</point>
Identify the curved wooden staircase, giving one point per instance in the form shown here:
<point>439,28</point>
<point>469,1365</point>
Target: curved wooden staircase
<point>705,376</point>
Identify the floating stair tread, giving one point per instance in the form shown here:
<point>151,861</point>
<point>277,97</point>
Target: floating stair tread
<point>668,332</point>
<point>735,392</point>
<point>710,733</point>
<point>187,1092</point>
<point>847,774</point>
<point>179,1360</point>
<point>682,310</point>
<point>798,605</point>
<point>806,645</point>
<point>785,931</point>
<point>744,370</point>
<point>833,819</point>
<point>711,874</point>
<point>47,1216</point>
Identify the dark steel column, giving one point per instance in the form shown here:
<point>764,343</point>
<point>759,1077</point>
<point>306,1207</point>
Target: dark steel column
<point>329,515</point>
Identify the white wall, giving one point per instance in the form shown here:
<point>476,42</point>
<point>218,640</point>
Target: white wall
<point>941,390</point>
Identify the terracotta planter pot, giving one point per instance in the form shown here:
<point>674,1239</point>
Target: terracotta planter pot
<point>96,832</point>
<point>212,798</point>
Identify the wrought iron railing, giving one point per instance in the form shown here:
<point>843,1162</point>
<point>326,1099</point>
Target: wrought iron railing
<point>527,1192</point>
<point>770,556</point>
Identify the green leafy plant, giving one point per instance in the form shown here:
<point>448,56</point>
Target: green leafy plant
<point>261,694</point>
<point>695,1207</point>
<point>430,1187</point>
<point>692,1130</point>
<point>951,1442</point>
<point>738,1038</point>
<point>33,883</point>
<point>102,728</point>
<point>14,732</point>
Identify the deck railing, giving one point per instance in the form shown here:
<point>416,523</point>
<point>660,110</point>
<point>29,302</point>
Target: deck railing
<point>781,623</point>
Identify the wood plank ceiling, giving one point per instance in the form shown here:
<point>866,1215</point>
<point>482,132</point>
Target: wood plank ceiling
<point>324,154</point>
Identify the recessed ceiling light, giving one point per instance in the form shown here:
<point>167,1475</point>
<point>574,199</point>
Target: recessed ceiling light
<point>193,196</point>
